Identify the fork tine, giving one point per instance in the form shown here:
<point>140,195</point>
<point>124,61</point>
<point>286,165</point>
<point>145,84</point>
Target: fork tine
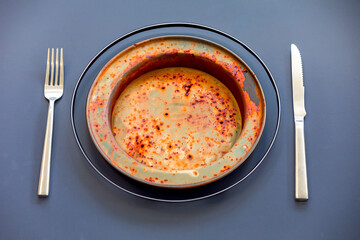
<point>61,83</point>
<point>47,68</point>
<point>56,67</point>
<point>52,68</point>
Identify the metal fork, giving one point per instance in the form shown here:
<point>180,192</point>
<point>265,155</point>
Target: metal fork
<point>53,90</point>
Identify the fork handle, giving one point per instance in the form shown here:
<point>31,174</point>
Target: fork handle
<point>301,186</point>
<point>44,181</point>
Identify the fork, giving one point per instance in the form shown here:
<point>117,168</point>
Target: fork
<point>53,90</point>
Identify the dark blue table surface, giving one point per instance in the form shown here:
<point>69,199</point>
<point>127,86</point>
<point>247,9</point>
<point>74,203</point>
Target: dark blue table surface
<point>82,205</point>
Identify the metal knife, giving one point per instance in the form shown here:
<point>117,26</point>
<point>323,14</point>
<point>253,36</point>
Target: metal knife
<point>301,185</point>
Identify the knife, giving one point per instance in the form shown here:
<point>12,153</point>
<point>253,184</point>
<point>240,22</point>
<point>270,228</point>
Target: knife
<point>301,186</point>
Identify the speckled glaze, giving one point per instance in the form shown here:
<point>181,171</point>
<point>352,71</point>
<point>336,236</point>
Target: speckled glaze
<point>175,111</point>
<point>176,119</point>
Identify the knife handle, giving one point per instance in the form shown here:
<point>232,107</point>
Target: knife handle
<point>301,186</point>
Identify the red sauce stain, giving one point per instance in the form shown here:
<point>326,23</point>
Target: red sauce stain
<point>225,168</point>
<point>133,170</point>
<point>150,179</point>
<point>187,89</point>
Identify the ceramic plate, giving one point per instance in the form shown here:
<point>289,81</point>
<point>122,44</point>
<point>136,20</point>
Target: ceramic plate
<point>162,112</point>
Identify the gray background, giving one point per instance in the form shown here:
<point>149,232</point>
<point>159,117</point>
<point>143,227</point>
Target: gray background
<point>84,206</point>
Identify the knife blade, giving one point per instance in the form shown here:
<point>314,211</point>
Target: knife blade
<point>298,90</point>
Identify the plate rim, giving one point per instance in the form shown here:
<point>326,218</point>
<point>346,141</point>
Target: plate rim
<point>165,25</point>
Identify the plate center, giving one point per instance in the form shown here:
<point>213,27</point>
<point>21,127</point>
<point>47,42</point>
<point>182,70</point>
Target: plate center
<point>176,119</point>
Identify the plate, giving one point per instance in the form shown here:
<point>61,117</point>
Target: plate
<point>161,111</point>
<point>78,114</point>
